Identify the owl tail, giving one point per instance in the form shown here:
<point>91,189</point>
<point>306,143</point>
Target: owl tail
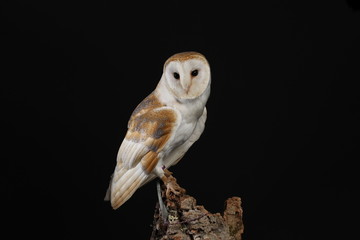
<point>124,183</point>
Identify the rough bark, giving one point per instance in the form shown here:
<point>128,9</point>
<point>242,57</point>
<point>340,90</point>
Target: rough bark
<point>188,221</point>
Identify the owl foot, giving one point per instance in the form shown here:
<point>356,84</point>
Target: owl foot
<point>172,188</point>
<point>167,172</point>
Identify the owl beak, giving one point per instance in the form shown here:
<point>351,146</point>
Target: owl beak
<point>185,84</point>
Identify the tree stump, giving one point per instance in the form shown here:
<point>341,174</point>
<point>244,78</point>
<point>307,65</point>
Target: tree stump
<point>185,220</point>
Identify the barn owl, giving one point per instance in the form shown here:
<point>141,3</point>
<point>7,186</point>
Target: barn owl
<point>163,126</point>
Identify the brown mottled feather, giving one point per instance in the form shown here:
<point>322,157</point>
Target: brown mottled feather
<point>150,102</point>
<point>150,125</point>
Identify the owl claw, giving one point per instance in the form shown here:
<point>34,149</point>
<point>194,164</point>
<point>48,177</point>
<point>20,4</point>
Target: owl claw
<point>172,188</point>
<point>167,172</point>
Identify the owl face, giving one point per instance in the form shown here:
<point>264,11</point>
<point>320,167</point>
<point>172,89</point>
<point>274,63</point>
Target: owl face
<point>187,75</point>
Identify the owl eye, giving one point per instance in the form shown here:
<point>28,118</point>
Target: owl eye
<point>176,75</point>
<point>194,73</point>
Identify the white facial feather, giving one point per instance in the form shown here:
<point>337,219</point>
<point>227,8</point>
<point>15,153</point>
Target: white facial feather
<point>188,79</point>
<point>163,126</point>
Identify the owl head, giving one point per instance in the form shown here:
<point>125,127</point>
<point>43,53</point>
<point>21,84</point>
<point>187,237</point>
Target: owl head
<point>187,75</point>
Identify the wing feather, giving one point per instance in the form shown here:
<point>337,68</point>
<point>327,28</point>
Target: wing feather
<point>125,183</point>
<point>131,152</point>
<point>148,133</point>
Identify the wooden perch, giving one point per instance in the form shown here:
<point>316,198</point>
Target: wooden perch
<point>185,220</point>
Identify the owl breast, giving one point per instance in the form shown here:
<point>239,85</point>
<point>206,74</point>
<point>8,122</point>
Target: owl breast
<point>184,131</point>
<point>191,111</point>
<point>180,144</point>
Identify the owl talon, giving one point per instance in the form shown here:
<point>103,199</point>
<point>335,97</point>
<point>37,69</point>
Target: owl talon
<point>167,172</point>
<point>172,188</point>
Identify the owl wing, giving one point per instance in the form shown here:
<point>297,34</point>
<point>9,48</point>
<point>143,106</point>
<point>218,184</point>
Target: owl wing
<point>148,133</point>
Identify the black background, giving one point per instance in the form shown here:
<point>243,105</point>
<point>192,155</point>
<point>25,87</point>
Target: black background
<point>283,115</point>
